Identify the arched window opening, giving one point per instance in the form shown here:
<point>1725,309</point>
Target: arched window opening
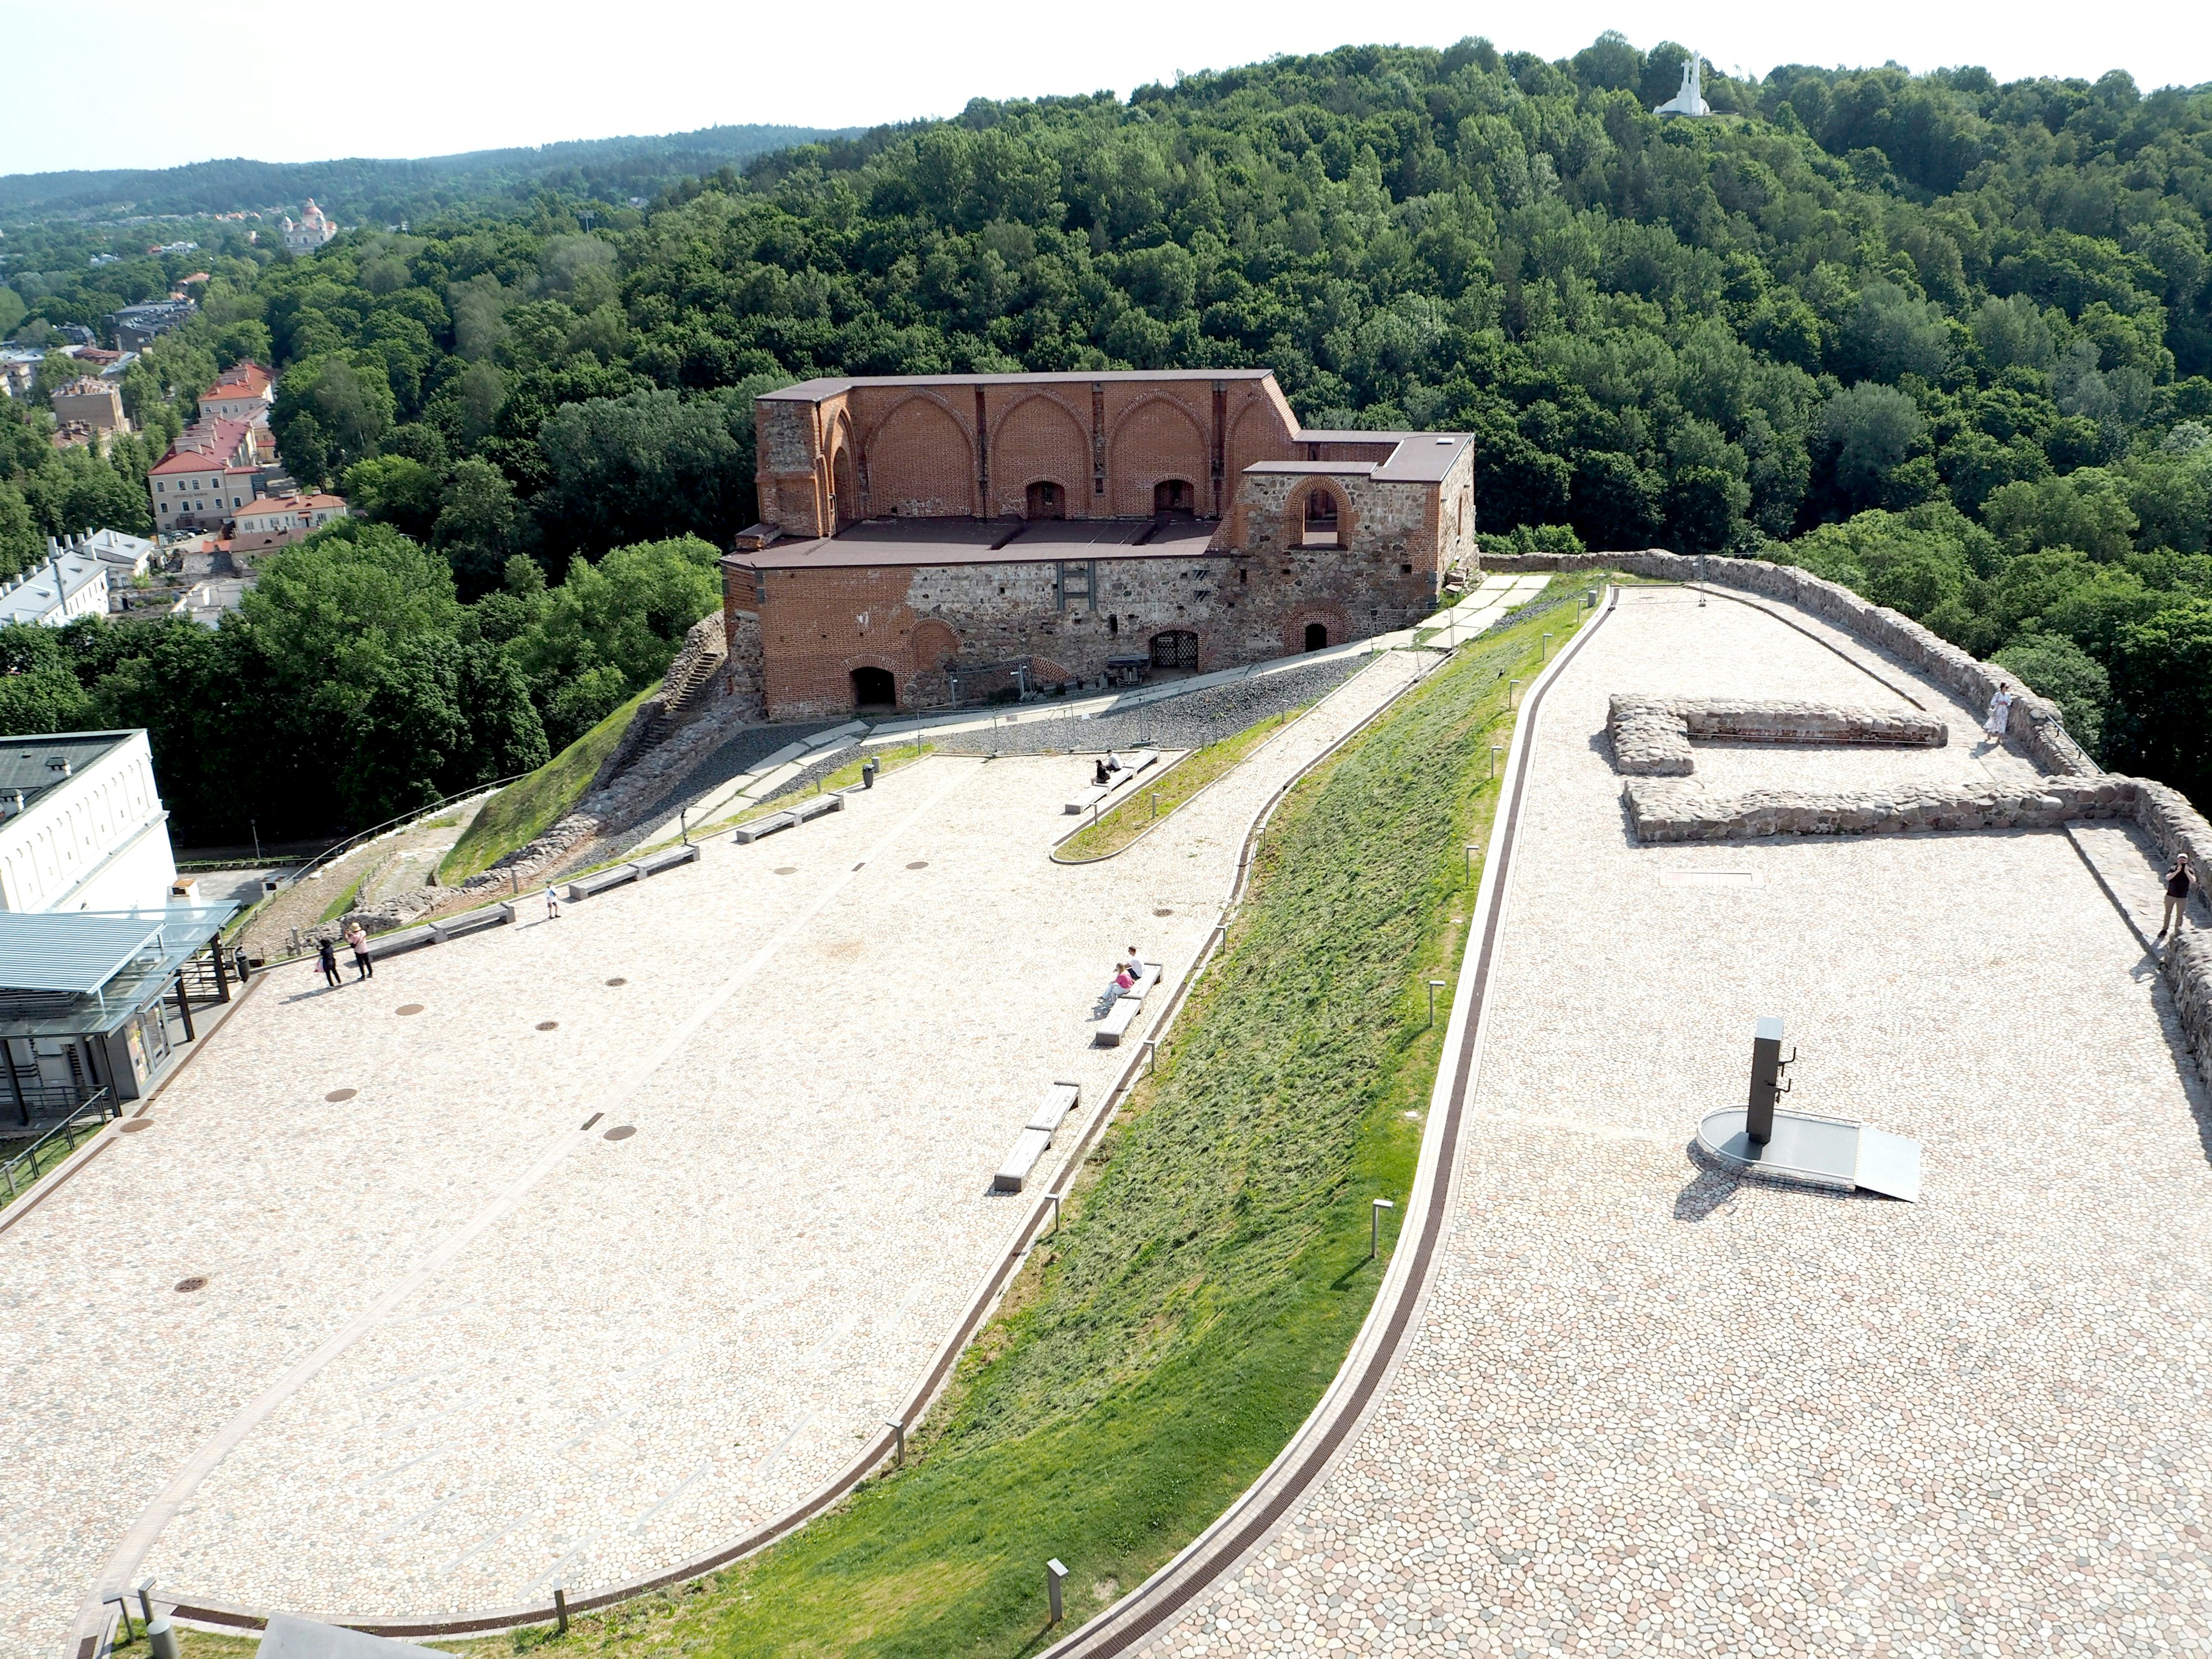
<point>1045,500</point>
<point>1317,637</point>
<point>1174,498</point>
<point>874,688</point>
<point>1321,526</point>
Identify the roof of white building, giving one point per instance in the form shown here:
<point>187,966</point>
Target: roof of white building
<point>42,594</point>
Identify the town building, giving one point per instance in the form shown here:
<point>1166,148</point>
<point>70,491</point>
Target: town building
<point>124,556</point>
<point>97,403</point>
<point>214,469</point>
<point>309,231</point>
<point>135,327</point>
<point>280,521</point>
<point>95,946</point>
<point>66,586</point>
<point>923,533</point>
<point>243,392</point>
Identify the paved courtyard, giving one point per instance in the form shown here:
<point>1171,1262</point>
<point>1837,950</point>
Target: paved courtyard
<point>1651,1410</point>
<point>453,1348</point>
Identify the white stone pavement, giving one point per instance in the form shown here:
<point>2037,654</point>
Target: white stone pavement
<point>543,1353</point>
<point>1648,1410</point>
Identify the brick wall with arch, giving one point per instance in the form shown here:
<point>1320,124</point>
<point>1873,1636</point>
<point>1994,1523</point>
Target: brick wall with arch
<point>919,461</point>
<point>1041,439</point>
<point>1155,442</point>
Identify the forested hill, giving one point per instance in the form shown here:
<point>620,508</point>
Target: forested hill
<point>1943,339</point>
<point>381,191</point>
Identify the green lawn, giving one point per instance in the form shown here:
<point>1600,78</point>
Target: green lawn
<point>1117,828</point>
<point>344,903</point>
<point>528,807</point>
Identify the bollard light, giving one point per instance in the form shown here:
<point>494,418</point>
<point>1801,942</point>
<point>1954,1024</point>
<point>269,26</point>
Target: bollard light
<point>1494,763</point>
<point>1472,848</point>
<point>1053,1573</point>
<point>123,1610</point>
<point>898,1441</point>
<point>1511,686</point>
<point>1375,1226</point>
<point>1053,1199</point>
<point>1435,986</point>
<point>1151,1050</point>
<point>1547,656</point>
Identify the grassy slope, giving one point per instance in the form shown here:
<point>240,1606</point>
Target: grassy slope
<point>526,809</point>
<point>1117,828</point>
<point>1211,1270</point>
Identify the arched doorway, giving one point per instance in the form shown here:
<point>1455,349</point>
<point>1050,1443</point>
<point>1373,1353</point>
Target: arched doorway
<point>874,688</point>
<point>1045,500</point>
<point>1174,498</point>
<point>1177,648</point>
<point>844,488</point>
<point>1317,637</point>
<point>1323,526</point>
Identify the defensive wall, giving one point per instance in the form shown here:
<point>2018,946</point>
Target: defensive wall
<point>915,531</point>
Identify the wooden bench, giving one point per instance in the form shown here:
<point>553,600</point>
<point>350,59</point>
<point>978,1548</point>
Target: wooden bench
<point>1044,1123</point>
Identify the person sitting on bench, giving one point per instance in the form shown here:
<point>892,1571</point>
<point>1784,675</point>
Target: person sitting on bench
<point>1122,981</point>
<point>1098,775</point>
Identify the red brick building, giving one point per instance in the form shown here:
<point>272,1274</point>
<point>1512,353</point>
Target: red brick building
<point>1038,528</point>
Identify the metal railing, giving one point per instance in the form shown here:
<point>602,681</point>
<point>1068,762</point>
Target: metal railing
<point>19,1172</point>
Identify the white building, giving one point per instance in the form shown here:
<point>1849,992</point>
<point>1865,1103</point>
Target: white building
<point>279,520</point>
<point>124,556</point>
<point>81,824</point>
<point>68,584</point>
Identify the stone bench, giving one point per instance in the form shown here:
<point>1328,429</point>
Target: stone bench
<point>747,834</point>
<point>1031,1144</point>
<point>599,880</point>
<point>667,858</point>
<point>1115,1025</point>
<point>407,939</point>
<point>474,921</point>
<point>814,808</point>
<point>1098,792</point>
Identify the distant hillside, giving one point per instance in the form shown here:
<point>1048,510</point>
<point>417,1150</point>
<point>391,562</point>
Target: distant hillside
<point>361,188</point>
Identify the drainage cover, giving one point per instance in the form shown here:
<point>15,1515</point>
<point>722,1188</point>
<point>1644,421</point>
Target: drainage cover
<point>548,1024</point>
<point>617,981</point>
<point>1163,912</point>
<point>787,870</point>
<point>919,864</point>
<point>195,1282</point>
<point>341,1094</point>
<point>620,1132</point>
<point>134,1125</point>
<point>411,1007</point>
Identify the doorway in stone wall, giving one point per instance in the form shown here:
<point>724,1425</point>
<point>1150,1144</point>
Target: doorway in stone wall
<point>1045,500</point>
<point>1175,651</point>
<point>1317,637</point>
<point>874,688</point>
<point>1174,498</point>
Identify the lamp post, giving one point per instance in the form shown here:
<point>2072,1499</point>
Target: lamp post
<point>1435,986</point>
<point>1375,1226</point>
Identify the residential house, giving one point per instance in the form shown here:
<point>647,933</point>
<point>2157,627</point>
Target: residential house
<point>124,556</point>
<point>280,521</point>
<point>138,327</point>
<point>98,404</point>
<point>243,392</point>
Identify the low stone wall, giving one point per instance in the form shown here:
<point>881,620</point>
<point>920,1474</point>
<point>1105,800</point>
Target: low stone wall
<point>1651,735</point>
<point>1667,809</point>
<point>2037,724</point>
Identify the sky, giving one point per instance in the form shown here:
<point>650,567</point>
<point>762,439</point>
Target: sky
<point>308,80</point>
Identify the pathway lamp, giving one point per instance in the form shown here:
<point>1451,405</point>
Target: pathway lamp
<point>1375,1226</point>
<point>899,1440</point>
<point>1511,688</point>
<point>1472,848</point>
<point>1435,986</point>
<point>1054,1574</point>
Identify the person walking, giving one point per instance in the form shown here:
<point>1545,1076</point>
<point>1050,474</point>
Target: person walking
<point>357,936</point>
<point>326,952</point>
<point>2177,897</point>
<point>552,903</point>
<point>2000,715</point>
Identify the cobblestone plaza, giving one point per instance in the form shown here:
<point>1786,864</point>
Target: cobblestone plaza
<point>449,1349</point>
<point>1649,1409</point>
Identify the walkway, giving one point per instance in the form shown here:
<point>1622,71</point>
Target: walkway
<point>451,1349</point>
<point>1650,1410</point>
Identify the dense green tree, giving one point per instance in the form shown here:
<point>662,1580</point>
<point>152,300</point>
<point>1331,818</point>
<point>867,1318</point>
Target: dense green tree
<point>2055,667</point>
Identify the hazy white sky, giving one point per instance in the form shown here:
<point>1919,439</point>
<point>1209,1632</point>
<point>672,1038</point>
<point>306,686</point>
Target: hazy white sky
<point>106,84</point>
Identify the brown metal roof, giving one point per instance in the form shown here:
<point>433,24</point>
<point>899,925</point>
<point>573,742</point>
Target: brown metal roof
<point>810,391</point>
<point>900,543</point>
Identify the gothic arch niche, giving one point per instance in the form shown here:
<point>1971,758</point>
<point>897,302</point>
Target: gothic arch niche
<point>844,483</point>
<point>921,462</point>
<point>1044,499</point>
<point>931,644</point>
<point>1158,441</point>
<point>1039,440</point>
<point>1299,629</point>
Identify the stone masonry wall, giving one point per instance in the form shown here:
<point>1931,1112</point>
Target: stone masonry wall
<point>1651,736</point>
